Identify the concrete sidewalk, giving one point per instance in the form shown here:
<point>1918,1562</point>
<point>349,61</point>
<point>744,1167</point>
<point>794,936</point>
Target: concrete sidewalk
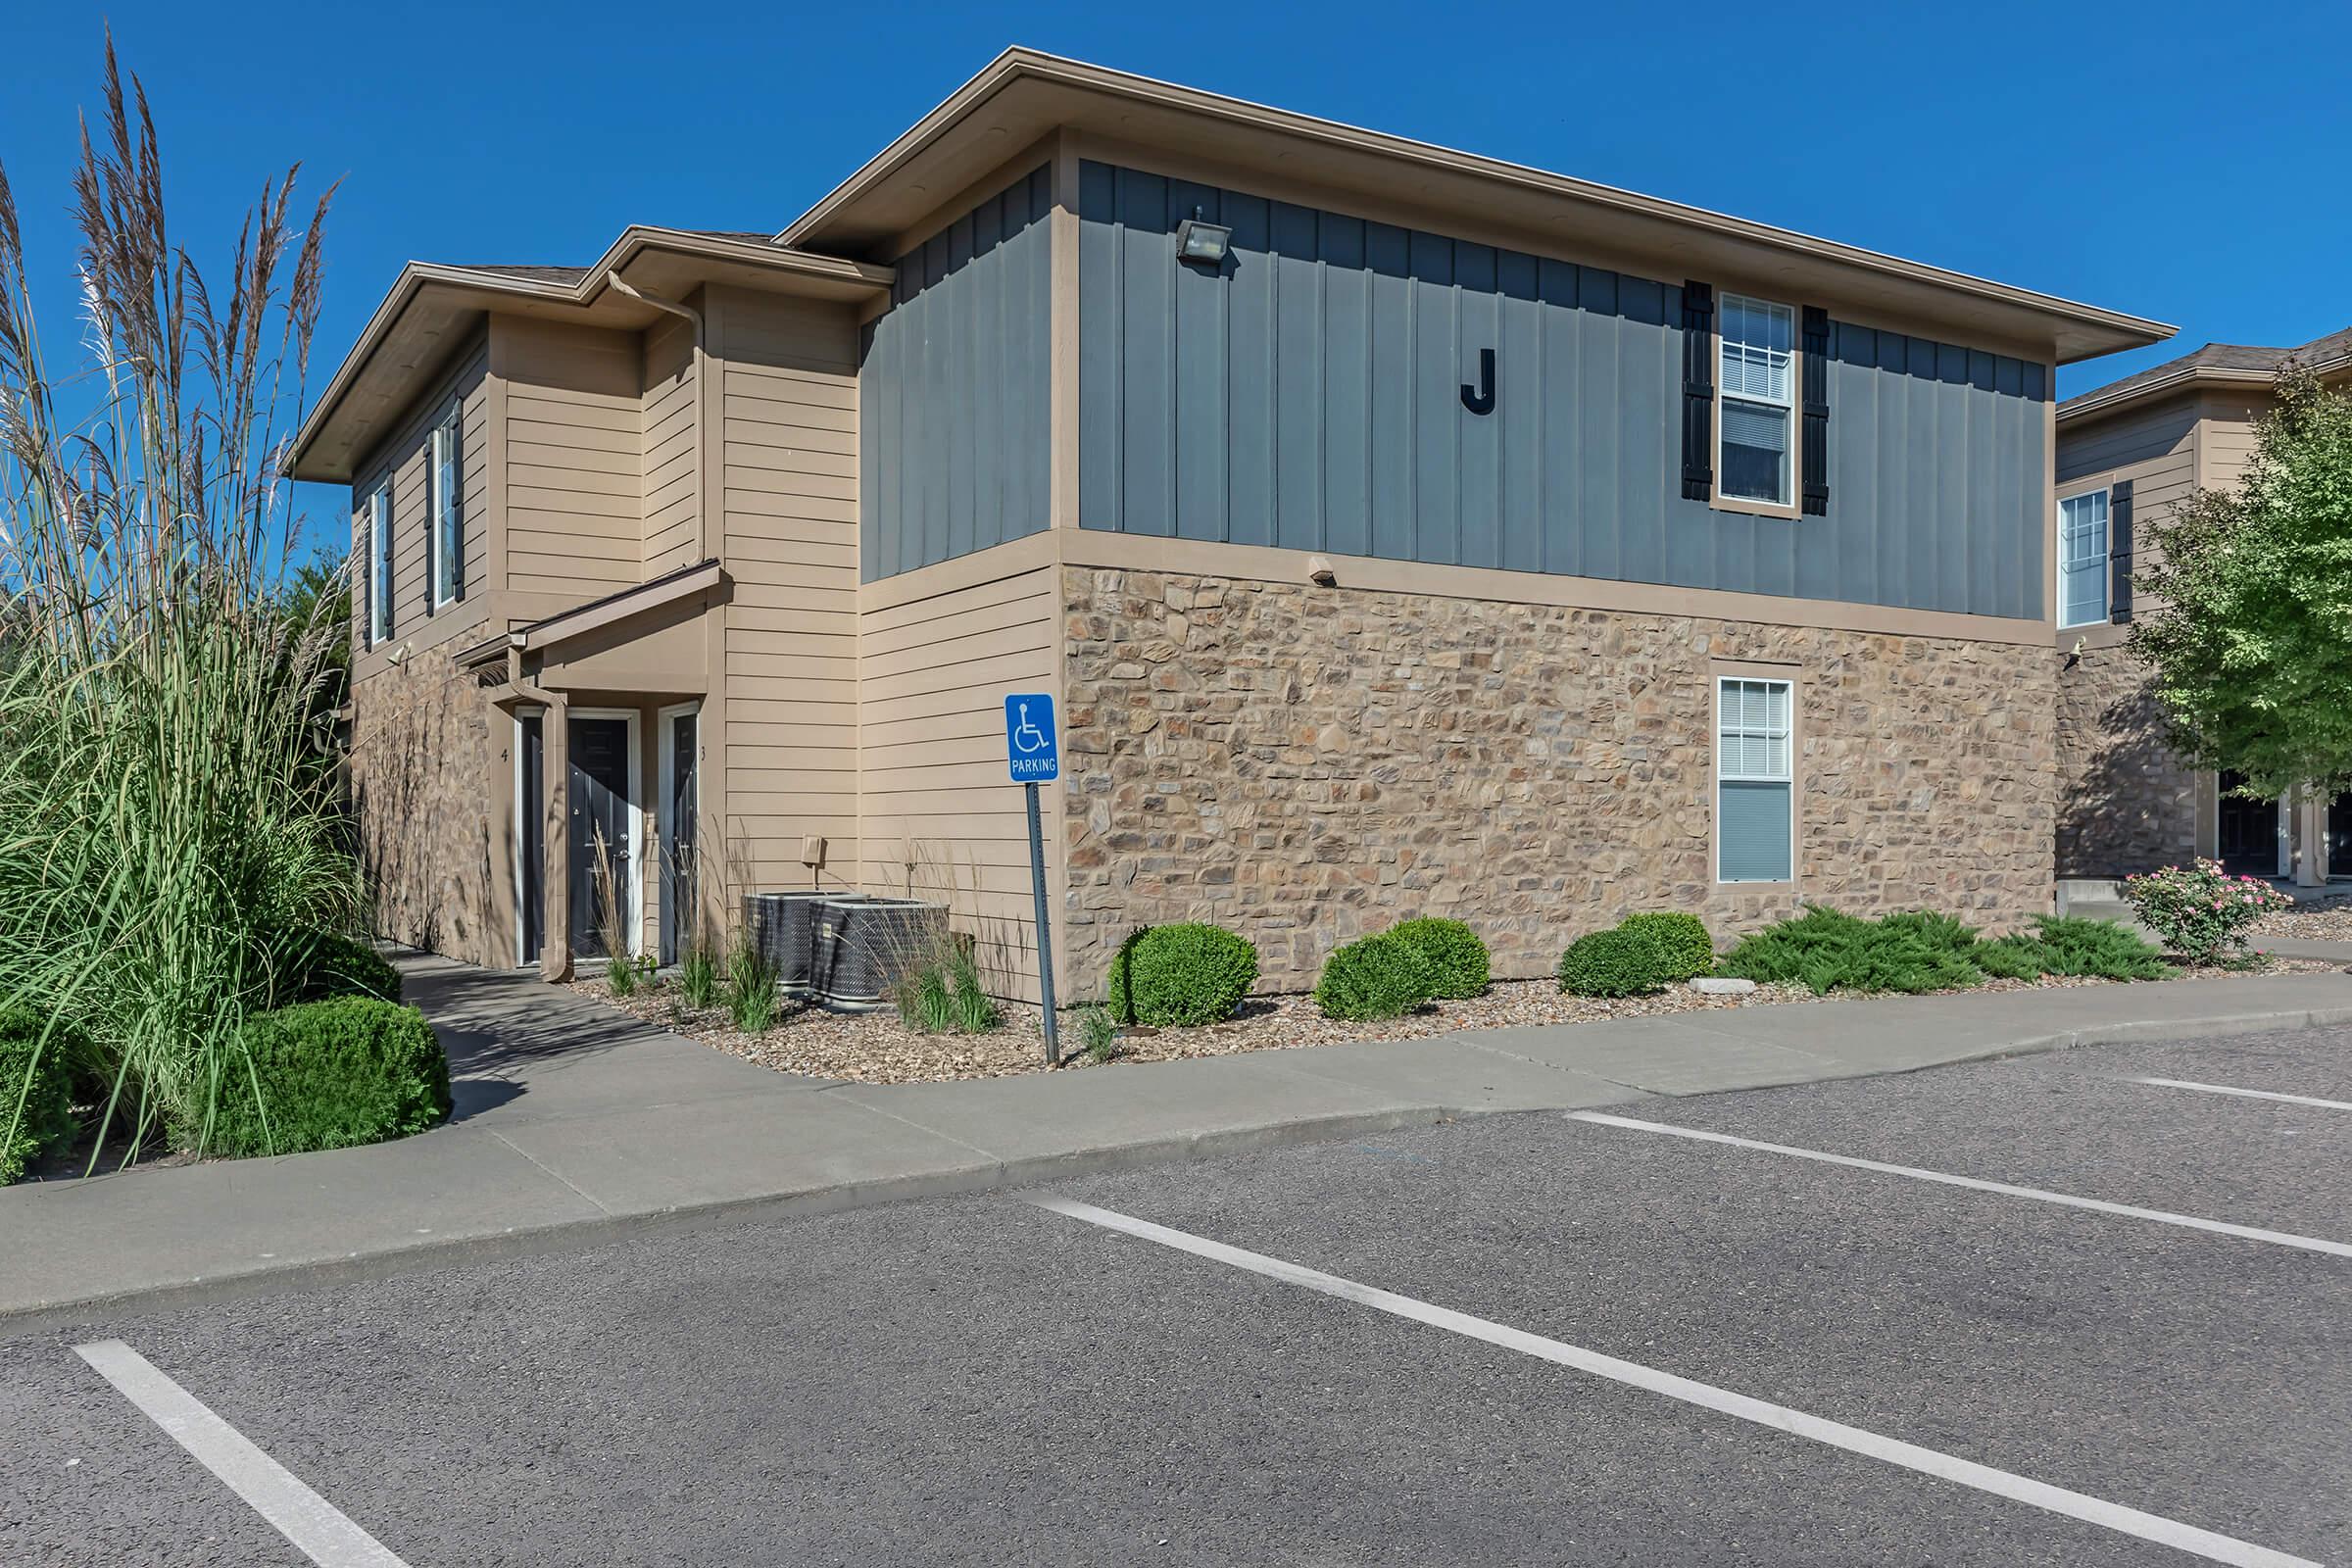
<point>575,1124</point>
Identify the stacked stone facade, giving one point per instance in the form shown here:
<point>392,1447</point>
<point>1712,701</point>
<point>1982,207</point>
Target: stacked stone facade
<point>424,772</point>
<point>1308,766</point>
<point>2125,802</point>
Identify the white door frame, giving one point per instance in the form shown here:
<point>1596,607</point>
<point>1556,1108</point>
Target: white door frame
<point>635,720</point>
<point>667,806</point>
<point>522,711</point>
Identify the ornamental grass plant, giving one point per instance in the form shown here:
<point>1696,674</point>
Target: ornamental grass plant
<point>171,828</point>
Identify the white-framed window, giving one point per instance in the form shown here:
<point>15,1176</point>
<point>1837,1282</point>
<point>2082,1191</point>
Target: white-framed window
<point>1755,816</point>
<point>2083,558</point>
<point>446,483</point>
<point>379,562</point>
<point>1755,441</point>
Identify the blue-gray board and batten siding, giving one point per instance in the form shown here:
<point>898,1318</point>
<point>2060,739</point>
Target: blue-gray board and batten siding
<point>1307,396</point>
<point>952,390</point>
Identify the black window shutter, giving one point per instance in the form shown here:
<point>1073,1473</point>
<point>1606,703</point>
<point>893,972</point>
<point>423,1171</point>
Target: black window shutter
<point>1814,446</point>
<point>430,485</point>
<point>1698,392</point>
<point>2119,552</point>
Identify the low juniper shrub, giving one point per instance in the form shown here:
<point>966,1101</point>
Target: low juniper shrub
<point>1457,960</point>
<point>1170,976</point>
<point>1376,977</point>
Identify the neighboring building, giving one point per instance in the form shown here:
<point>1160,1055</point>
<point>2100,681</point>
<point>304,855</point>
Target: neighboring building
<point>1402,531</point>
<point>2128,453</point>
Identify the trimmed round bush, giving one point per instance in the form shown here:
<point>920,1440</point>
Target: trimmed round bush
<point>1682,938</point>
<point>331,1074</point>
<point>1170,976</point>
<point>1618,962</point>
<point>34,1075</point>
<point>327,964</point>
<point>1457,960</point>
<point>1377,977</point>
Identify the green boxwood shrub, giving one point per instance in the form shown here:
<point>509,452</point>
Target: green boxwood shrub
<point>1682,938</point>
<point>36,1112</point>
<point>1621,962</point>
<point>331,1074</point>
<point>327,963</point>
<point>1170,976</point>
<point>1457,961</point>
<point>1376,977</point>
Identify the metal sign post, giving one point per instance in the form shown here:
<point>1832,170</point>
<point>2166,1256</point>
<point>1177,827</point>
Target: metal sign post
<point>1033,755</point>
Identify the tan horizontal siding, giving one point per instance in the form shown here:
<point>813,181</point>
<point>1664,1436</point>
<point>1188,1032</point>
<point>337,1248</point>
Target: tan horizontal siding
<point>406,456</point>
<point>786,381</point>
<point>574,457</point>
<point>672,470</point>
<point>933,674</point>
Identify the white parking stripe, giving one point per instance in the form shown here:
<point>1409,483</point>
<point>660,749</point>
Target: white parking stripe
<point>2246,1094</point>
<point>297,1513</point>
<point>2251,1232</point>
<point>1779,1419</point>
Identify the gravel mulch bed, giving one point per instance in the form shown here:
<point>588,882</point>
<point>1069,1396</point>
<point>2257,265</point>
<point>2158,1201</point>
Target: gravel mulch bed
<point>2328,919</point>
<point>875,1049</point>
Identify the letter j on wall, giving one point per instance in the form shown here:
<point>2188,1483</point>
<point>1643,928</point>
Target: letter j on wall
<point>1032,748</point>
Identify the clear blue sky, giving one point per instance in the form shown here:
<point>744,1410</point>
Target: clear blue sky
<point>2174,161</point>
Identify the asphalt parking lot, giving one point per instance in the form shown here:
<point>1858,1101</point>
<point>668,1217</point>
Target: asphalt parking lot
<point>2118,1329</point>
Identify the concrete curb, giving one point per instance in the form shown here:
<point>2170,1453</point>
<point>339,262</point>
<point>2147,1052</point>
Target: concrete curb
<point>991,1175</point>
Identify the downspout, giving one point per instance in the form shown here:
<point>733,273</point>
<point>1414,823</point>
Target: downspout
<point>625,287</point>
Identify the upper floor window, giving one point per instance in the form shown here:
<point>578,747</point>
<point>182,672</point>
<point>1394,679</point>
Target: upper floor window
<point>379,564</point>
<point>2082,564</point>
<point>445,512</point>
<point>1759,402</point>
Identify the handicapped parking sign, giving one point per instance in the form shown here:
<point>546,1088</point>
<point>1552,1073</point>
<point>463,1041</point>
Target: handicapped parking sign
<point>1031,748</point>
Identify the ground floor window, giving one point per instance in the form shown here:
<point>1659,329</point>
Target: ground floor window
<point>1754,791</point>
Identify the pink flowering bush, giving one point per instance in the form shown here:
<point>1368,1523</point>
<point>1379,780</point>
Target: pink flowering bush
<point>2201,911</point>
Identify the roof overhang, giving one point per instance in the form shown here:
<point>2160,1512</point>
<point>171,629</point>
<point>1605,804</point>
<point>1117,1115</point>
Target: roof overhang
<point>671,588</point>
<point>1024,95</point>
<point>433,310</point>
<point>2131,393</point>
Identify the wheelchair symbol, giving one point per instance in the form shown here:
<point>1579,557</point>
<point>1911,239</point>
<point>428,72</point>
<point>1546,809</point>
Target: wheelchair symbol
<point>1027,737</point>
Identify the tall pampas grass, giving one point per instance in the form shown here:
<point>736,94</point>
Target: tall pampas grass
<point>170,830</point>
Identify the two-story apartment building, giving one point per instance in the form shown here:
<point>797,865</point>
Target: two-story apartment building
<point>2128,453</point>
<point>1402,531</point>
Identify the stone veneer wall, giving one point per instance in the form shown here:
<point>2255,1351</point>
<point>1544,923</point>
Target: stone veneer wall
<point>2125,802</point>
<point>1307,765</point>
<point>424,770</point>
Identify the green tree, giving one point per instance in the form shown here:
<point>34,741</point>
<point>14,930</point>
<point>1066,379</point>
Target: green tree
<point>2252,646</point>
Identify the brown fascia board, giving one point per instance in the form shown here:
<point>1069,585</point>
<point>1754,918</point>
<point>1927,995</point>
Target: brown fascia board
<point>1024,95</point>
<point>2120,396</point>
<point>432,307</point>
<point>635,600</point>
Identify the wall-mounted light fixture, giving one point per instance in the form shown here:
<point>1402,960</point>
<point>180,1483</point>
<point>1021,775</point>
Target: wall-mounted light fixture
<point>1200,240</point>
<point>1319,572</point>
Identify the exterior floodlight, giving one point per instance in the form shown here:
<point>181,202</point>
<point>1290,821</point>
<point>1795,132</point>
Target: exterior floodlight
<point>1198,240</point>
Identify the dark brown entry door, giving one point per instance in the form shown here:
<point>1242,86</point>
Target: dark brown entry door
<point>531,830</point>
<point>598,776</point>
<point>2248,832</point>
<point>2339,836</point>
